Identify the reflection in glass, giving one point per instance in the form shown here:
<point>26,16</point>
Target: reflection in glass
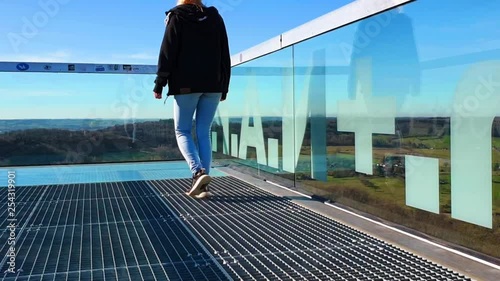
<point>411,119</point>
<point>82,118</point>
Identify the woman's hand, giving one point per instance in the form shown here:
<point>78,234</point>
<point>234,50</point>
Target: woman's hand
<point>157,95</point>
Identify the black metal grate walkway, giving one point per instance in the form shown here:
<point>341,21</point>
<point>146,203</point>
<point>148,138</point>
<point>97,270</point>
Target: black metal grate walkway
<point>151,231</point>
<point>109,231</point>
<point>258,236</point>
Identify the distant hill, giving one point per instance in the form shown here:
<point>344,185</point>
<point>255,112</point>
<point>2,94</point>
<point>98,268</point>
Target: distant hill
<point>57,141</point>
<point>41,142</point>
<point>63,124</point>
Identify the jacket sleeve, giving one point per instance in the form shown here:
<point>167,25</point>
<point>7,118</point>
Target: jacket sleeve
<point>226,61</point>
<point>168,53</point>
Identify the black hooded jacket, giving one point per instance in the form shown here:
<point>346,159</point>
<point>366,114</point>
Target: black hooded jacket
<point>194,55</point>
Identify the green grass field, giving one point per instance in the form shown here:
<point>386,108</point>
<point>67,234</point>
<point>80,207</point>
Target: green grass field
<point>385,196</point>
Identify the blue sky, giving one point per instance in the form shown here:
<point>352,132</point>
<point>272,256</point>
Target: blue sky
<point>130,32</point>
<point>114,31</point>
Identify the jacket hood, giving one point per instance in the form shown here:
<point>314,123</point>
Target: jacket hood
<point>195,14</point>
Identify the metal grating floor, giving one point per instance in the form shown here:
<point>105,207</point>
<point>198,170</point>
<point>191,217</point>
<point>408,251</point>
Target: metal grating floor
<point>150,230</point>
<point>105,231</point>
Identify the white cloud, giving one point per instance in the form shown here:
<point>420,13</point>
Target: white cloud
<point>61,54</point>
<point>64,56</point>
<point>144,56</point>
<point>56,56</point>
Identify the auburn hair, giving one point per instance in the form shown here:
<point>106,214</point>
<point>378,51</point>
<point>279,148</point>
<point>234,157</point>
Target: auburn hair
<point>194,2</point>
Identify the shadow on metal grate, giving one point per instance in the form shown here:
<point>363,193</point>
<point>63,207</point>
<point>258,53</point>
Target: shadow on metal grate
<point>256,235</point>
<point>150,230</point>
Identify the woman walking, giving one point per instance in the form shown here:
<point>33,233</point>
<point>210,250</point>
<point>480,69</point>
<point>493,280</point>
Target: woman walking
<point>194,62</point>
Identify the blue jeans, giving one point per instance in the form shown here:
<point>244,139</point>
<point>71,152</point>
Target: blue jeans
<point>205,105</point>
